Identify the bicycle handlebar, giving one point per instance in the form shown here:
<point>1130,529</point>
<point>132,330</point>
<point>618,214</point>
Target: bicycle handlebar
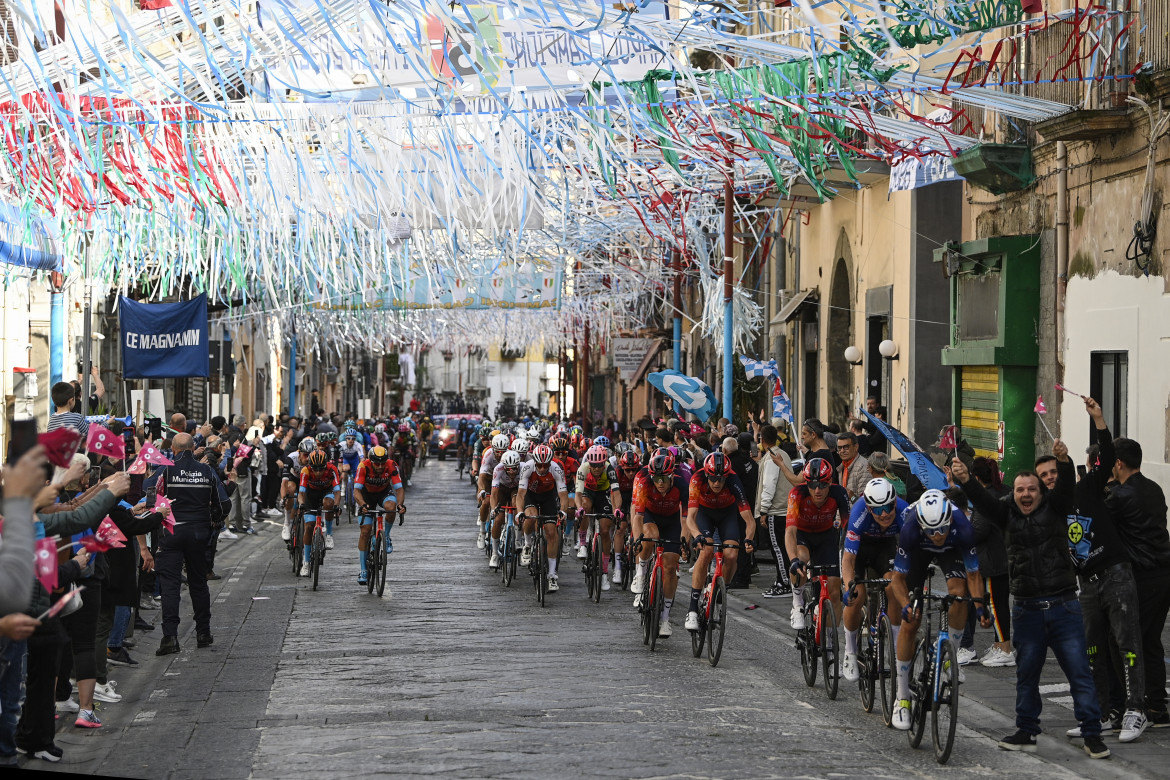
<point>878,583</point>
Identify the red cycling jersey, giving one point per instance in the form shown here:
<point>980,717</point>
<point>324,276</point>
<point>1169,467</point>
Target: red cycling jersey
<point>326,479</point>
<point>730,493</point>
<point>569,465</point>
<point>808,517</point>
<point>372,478</point>
<point>626,481</point>
<point>648,499</point>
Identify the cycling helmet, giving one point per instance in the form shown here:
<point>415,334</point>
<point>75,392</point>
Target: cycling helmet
<point>662,464</point>
<point>380,428</point>
<point>559,443</point>
<point>602,441</point>
<point>595,455</point>
<point>879,493</point>
<point>500,442</point>
<point>379,455</point>
<point>520,446</point>
<point>404,428</point>
<point>350,433</point>
<point>630,460</point>
<point>318,460</point>
<point>818,470</point>
<point>623,447</point>
<point>534,433</point>
<point>934,512</point>
<point>322,438</point>
<point>511,460</point>
<point>307,445</point>
<point>586,443</point>
<point>717,465</point>
<point>542,454</point>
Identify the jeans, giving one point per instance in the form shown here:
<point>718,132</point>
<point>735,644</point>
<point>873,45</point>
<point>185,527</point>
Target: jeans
<point>1110,605</point>
<point>188,544</point>
<point>13,668</point>
<point>122,617</point>
<point>1061,628</point>
<point>1153,590</point>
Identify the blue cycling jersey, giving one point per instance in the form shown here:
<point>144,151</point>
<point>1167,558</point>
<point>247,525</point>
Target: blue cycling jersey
<point>912,541</point>
<point>863,526</point>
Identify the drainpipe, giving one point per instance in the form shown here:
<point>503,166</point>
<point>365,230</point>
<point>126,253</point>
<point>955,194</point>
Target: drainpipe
<point>1061,250</point>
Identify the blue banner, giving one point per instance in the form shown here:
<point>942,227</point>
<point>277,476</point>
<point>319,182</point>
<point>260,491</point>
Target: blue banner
<point>928,473</point>
<point>692,394</point>
<point>161,340</point>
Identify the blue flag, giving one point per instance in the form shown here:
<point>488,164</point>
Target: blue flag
<point>781,404</point>
<point>161,340</point>
<point>929,474</point>
<point>692,394</point>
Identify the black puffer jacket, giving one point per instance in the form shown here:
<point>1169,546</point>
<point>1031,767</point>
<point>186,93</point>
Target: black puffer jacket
<point>1039,562</point>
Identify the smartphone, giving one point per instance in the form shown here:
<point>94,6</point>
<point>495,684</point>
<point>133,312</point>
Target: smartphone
<point>22,439</point>
<point>1081,471</point>
<point>154,428</point>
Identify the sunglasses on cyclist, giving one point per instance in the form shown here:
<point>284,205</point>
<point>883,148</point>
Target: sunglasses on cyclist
<point>884,508</point>
<point>662,479</point>
<point>716,478</point>
<point>817,485</point>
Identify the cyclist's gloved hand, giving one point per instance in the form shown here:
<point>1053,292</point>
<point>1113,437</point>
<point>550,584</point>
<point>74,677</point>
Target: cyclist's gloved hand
<point>562,516</point>
<point>796,567</point>
<point>749,545</point>
<point>907,612</point>
<point>847,596</point>
<point>580,513</point>
<point>619,515</point>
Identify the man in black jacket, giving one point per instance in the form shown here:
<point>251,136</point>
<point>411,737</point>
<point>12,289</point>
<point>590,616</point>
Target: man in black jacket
<point>1138,506</point>
<point>1047,613</point>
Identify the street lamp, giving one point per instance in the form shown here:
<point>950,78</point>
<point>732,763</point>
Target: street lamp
<point>888,349</point>
<point>853,355</point>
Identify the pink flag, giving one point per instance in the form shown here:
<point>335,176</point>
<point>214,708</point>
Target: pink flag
<point>60,445</point>
<point>946,440</point>
<point>138,467</point>
<point>1062,389</point>
<point>103,441</point>
<point>46,550</point>
<point>62,602</point>
<point>93,544</point>
<point>1040,407</point>
<point>108,532</point>
<point>151,454</point>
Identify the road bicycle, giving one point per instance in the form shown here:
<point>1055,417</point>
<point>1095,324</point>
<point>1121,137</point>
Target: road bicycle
<point>538,565</point>
<point>463,461</point>
<point>508,557</point>
<point>625,559</point>
<point>377,557</point>
<point>934,676</point>
<point>876,654</point>
<point>296,544</point>
<point>317,547</point>
<point>817,641</point>
<point>591,565</point>
<point>350,504</point>
<point>712,604</point>
<point>652,600</point>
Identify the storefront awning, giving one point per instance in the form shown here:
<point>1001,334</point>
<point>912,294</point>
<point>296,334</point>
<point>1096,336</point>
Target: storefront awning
<point>793,305</point>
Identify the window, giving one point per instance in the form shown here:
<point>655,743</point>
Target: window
<point>1109,384</point>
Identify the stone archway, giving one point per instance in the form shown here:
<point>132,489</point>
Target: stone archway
<point>839,335</point>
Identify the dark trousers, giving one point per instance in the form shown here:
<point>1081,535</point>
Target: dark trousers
<point>188,544</point>
<point>1153,588</point>
<point>1109,602</point>
<point>39,714</point>
<point>1061,628</point>
<point>13,669</point>
<point>776,537</point>
<point>82,628</point>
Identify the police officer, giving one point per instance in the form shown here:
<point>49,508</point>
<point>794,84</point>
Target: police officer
<point>198,496</point>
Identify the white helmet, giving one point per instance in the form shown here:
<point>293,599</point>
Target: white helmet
<point>500,443</point>
<point>934,512</point>
<point>511,460</point>
<point>879,492</point>
<point>520,446</point>
<point>533,434</point>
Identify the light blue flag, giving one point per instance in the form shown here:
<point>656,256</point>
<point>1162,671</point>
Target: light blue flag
<point>692,394</point>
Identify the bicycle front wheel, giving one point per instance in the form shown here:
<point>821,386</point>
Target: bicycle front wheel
<point>886,668</point>
<point>372,563</point>
<point>655,603</point>
<point>316,555</point>
<point>508,551</point>
<point>298,548</point>
<point>944,713</point>
<point>716,621</point>
<point>830,658</point>
<point>920,692</point>
<point>867,661</point>
<point>541,569</point>
<point>595,563</point>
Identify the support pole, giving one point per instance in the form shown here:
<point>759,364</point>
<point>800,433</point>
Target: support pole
<point>57,331</point>
<point>728,281</point>
<point>87,337</point>
<point>677,343</point>
<point>292,375</point>
<point>585,410</point>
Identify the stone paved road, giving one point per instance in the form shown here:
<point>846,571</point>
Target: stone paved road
<point>452,675</point>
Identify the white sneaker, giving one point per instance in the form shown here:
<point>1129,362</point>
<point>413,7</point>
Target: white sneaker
<point>967,655</point>
<point>69,705</point>
<point>328,541</point>
<point>849,667</point>
<point>617,577</point>
<point>1133,723</point>
<point>494,563</point>
<point>553,585</point>
<point>664,630</point>
<point>226,534</point>
<point>997,657</point>
<point>639,598</point>
<point>692,621</point>
<point>408,483</point>
<point>604,582</point>
<point>639,585</point>
<point>106,693</point>
<point>480,541</point>
<point>285,534</point>
<point>796,618</point>
<point>901,719</point>
<point>526,556</point>
<point>305,569</point>
<point>582,552</point>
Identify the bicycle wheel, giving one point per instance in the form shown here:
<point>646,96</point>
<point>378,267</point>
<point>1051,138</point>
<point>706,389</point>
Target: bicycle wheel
<point>830,658</point>
<point>298,547</point>
<point>920,693</point>
<point>944,711</point>
<point>316,555</point>
<point>383,561</point>
<point>886,668</point>
<point>866,662</point>
<point>595,558</point>
<point>627,567</point>
<point>587,570</point>
<point>716,621</point>
<point>372,563</point>
<point>808,655</point>
<point>654,619</point>
<point>508,552</point>
<point>541,568</point>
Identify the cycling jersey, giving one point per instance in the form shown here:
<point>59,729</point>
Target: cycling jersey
<point>500,478</point>
<point>372,478</point>
<point>569,464</point>
<point>913,541</point>
<point>701,494</point>
<point>487,463</point>
<point>352,455</point>
<point>647,498</point>
<point>426,429</point>
<point>863,527</point>
<point>404,441</point>
<point>626,481</point>
<point>807,516</point>
<point>327,479</point>
<point>597,483</point>
<point>552,480</point>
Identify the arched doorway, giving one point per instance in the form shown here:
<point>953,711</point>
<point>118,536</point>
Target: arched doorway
<point>839,336</point>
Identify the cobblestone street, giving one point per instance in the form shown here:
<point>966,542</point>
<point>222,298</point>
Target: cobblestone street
<point>452,675</point>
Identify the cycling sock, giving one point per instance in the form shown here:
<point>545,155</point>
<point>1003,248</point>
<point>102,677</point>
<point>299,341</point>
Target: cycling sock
<point>904,679</point>
<point>851,642</point>
<point>604,563</point>
<point>552,567</point>
<point>895,630</point>
<point>617,564</point>
<point>362,560</point>
<point>798,598</point>
<point>308,549</point>
<point>694,600</point>
<point>666,605</point>
<point>643,567</point>
<point>329,528</point>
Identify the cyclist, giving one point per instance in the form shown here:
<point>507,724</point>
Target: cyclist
<point>319,492</point>
<point>352,453</point>
<point>569,465</point>
<point>597,491</point>
<point>505,480</point>
<point>817,509</point>
<point>521,447</point>
<point>659,504</point>
<point>425,429</point>
<point>933,531</point>
<point>406,448</point>
<point>378,483</point>
<point>628,465</point>
<point>290,480</point>
<point>542,491</point>
<point>487,466</point>
<point>715,498</point>
<point>871,542</point>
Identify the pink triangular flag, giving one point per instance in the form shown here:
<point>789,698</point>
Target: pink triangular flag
<point>947,438</point>
<point>1040,407</point>
<point>151,454</point>
<point>60,445</point>
<point>109,533</point>
<point>103,441</point>
<point>138,467</point>
<point>62,602</point>
<point>46,551</point>
<point>94,544</point>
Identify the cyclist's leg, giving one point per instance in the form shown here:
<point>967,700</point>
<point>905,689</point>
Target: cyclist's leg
<point>585,501</point>
<point>548,507</point>
<point>955,572</point>
<point>908,636</point>
<point>729,532</point>
<point>705,523</point>
<point>365,531</point>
